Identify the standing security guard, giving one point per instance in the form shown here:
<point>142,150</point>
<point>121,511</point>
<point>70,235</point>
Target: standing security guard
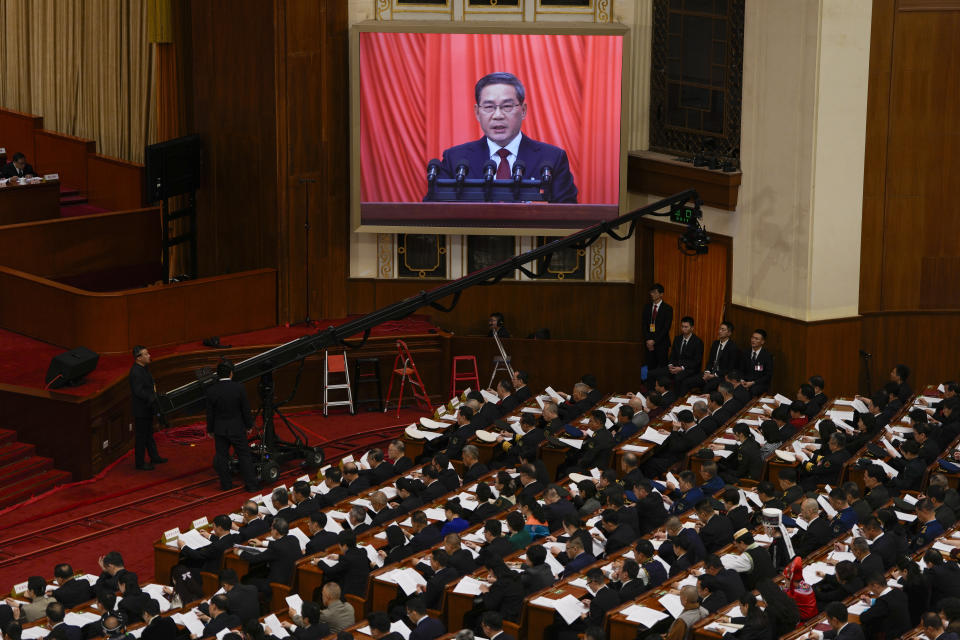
<point>143,403</point>
<point>228,421</point>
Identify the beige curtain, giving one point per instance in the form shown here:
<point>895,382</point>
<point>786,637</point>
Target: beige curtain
<point>86,66</point>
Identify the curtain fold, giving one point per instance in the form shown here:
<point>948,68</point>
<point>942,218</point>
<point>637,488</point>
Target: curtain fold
<point>86,66</point>
<point>416,99</point>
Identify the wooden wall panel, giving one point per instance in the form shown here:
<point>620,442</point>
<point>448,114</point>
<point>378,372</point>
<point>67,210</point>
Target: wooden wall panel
<point>16,133</point>
<point>68,246</point>
<point>233,108</point>
<point>802,349</point>
<point>114,184</point>
<point>65,155</point>
<point>910,215</point>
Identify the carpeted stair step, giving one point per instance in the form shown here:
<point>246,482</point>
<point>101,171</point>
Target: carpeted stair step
<point>13,451</point>
<point>6,435</point>
<point>72,199</point>
<point>33,485</point>
<point>24,468</point>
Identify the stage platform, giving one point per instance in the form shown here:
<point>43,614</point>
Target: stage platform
<point>87,427</point>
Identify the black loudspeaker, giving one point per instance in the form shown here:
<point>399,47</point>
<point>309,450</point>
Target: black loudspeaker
<point>69,368</point>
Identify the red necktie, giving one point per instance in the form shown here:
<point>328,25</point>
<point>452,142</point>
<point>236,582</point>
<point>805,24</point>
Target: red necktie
<point>653,316</point>
<point>503,170</point>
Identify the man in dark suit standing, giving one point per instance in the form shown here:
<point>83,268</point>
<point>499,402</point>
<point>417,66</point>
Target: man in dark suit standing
<point>757,367</point>
<point>657,319</point>
<point>228,420</point>
<point>686,356</point>
<point>143,406</point>
<point>500,109</point>
<point>724,356</point>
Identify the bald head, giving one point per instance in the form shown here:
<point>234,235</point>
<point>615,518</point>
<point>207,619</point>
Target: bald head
<point>809,509</point>
<point>689,594</point>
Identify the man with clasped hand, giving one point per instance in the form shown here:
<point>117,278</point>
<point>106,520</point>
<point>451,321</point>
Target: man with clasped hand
<point>228,420</point>
<point>143,406</point>
<point>500,109</point>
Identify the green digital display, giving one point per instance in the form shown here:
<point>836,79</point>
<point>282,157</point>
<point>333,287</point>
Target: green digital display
<point>683,216</point>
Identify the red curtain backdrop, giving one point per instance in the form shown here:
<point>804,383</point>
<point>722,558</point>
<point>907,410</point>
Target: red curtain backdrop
<point>416,99</point>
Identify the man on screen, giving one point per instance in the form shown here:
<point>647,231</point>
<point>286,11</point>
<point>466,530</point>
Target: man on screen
<point>500,110</point>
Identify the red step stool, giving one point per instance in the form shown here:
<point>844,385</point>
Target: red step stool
<point>406,370</point>
<point>464,376</point>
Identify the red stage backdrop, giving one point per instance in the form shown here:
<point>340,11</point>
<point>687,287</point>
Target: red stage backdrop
<point>416,99</point>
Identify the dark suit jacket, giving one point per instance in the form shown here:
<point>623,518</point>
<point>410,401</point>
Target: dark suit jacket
<point>717,533</point>
<point>533,153</point>
<point>321,541</point>
<point>73,592</point>
<point>691,359</point>
<point>10,171</point>
<point>143,397</point>
<point>536,578</point>
<point>379,474</point>
<point>890,614</point>
<point>332,497</point>
<point>243,601</point>
<point>818,533</point>
<point>495,551</point>
<point>631,590</point>
<point>402,465</point>
<point>760,374</point>
<point>222,621</point>
<point>729,358</point>
<point>436,584</point>
<point>851,631</point>
<point>281,555</point>
<point>475,472</point>
<point>604,600</point>
<point>664,321</point>
<point>557,511</point>
<point>578,564</point>
<point>73,632</point>
<point>160,628</point>
<point>351,572</point>
<point>871,564</point>
<point>208,557</point>
<point>428,629</point>
<point>253,529</point>
<point>228,410</point>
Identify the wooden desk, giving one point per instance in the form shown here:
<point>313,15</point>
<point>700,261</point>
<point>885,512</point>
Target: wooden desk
<point>29,202</point>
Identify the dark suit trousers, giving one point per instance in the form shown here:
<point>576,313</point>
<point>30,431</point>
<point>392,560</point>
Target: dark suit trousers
<point>221,461</point>
<point>659,357</point>
<point>143,440</point>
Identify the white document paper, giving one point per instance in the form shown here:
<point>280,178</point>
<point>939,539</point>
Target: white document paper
<point>782,399</point>
<point>827,507</point>
<point>672,479</point>
<point>906,517</point>
<point>469,586</point>
<point>859,406</point>
<point>572,442</point>
<point>672,604</point>
<point>193,539</point>
<point>295,602</point>
<point>190,620</point>
<point>652,435</point>
<point>531,410</point>
<point>569,608</point>
<point>553,395</point>
<point>644,615</point>
<point>272,623</point>
<point>301,537</point>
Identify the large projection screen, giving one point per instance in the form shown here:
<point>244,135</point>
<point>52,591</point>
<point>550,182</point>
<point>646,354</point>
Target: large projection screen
<point>413,99</point>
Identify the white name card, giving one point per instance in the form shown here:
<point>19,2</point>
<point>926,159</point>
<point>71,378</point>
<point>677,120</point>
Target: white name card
<point>3,150</point>
<point>200,522</point>
<point>171,534</point>
<point>51,176</point>
<point>20,588</point>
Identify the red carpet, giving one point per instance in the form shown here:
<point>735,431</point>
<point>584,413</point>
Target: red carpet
<point>84,509</point>
<point>24,361</point>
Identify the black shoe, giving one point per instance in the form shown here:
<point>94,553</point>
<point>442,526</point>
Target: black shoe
<point>146,467</point>
<point>158,460</point>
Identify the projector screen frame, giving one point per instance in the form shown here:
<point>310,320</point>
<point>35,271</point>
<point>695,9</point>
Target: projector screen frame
<point>485,27</point>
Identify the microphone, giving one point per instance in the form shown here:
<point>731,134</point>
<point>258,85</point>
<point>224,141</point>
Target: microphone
<point>462,170</point>
<point>546,174</point>
<point>519,168</point>
<point>489,171</point>
<point>432,168</point>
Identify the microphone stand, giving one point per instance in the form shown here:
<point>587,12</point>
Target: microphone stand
<point>866,365</point>
<point>503,353</point>
<point>306,255</point>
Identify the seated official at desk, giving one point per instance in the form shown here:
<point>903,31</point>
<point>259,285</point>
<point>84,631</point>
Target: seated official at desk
<point>17,168</point>
<point>500,109</point>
